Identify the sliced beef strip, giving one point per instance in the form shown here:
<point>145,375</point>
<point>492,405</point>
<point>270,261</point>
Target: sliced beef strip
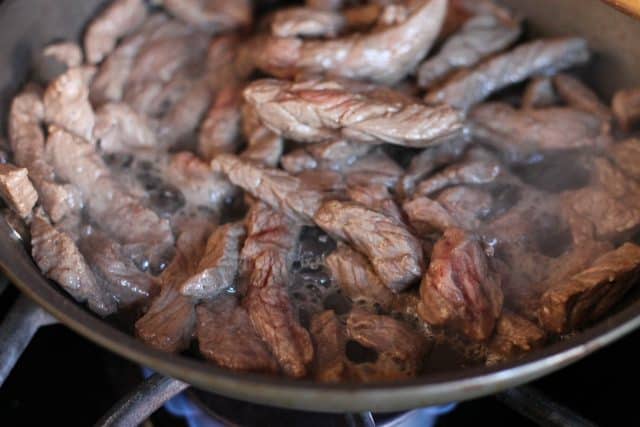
<point>469,206</point>
<point>626,108</point>
<point>539,93</point>
<point>221,128</point>
<point>528,59</point>
<point>461,288</point>
<point>608,208</point>
<point>375,168</point>
<point>273,186</point>
<point>626,155</point>
<point>307,22</point>
<point>16,189</point>
<point>297,161</point>
<point>27,143</point>
<point>272,315</point>
<point>467,172</point>
<point>66,102</point>
<point>579,96</point>
<point>218,268</point>
<point>123,216</point>
<point>338,154</point>
<point>521,134</point>
<point>119,128</point>
<point>329,339</point>
<point>324,180</point>
<point>377,197</point>
<point>427,161</point>
<point>480,37</point>
<point>513,336</point>
<point>587,296</point>
<point>197,183</point>
<point>170,322</point>
<point>400,350</point>
<point>120,18</point>
<point>211,15</point>
<point>323,110</point>
<point>59,259</point>
<point>393,251</point>
<point>115,271</point>
<point>263,146</point>
<point>227,337</point>
<point>356,277</point>
<point>384,55</point>
<point>427,216</point>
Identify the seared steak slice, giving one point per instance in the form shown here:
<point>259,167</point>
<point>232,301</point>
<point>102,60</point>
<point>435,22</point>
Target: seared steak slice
<point>273,186</point>
<point>478,38</point>
<point>59,259</point>
<point>395,254</point>
<point>467,172</point>
<point>356,277</point>
<point>120,18</point>
<point>587,296</point>
<point>117,273</point>
<point>272,315</point>
<point>329,339</point>
<point>323,110</point>
<point>461,289</point>
<point>227,337</point>
<point>16,189</point>
<point>400,350</point>
<point>529,59</point>
<point>218,266</point>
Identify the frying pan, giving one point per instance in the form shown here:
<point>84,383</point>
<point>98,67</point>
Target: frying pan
<point>26,25</point>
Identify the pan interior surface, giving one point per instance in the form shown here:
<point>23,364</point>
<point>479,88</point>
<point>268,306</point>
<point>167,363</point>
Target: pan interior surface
<point>25,32</point>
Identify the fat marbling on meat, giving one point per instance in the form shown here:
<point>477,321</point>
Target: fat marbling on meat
<point>227,337</point>
<point>323,110</point>
<point>395,254</point>
<point>461,289</point>
<point>384,55</point>
<point>529,59</point>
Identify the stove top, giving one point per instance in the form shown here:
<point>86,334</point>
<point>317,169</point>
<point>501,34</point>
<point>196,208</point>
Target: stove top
<point>62,377</point>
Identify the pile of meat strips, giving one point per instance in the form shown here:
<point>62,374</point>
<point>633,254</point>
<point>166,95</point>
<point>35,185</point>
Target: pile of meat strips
<point>330,190</point>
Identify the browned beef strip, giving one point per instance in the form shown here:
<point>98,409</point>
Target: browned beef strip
<point>197,183</point>
<point>322,110</point>
<point>59,259</point>
<point>514,335</point>
<point>356,277</point>
<point>467,205</point>
<point>169,323</point>
<point>218,267</point>
<point>519,134</point>
<point>626,108</point>
<point>263,146</point>
<point>587,296</point>
<point>461,288</point>
<point>307,22</point>
<point>384,55</point>
<point>16,189</point>
<point>120,18</point>
<point>395,254</point>
<point>273,186</point>
<point>220,129</point>
<point>478,38</point>
<point>338,154</point>
<point>539,93</point>
<point>271,313</point>
<point>400,349</point>
<point>227,337</point>
<point>377,197</point>
<point>427,216</point>
<point>467,172</point>
<point>297,161</point>
<point>529,59</point>
<point>329,339</point>
<point>66,102</point>
<point>211,15</point>
<point>323,180</point>
<point>375,168</point>
<point>119,128</point>
<point>626,155</point>
<point>115,271</point>
<point>427,161</point>
<point>120,214</point>
<point>579,96</point>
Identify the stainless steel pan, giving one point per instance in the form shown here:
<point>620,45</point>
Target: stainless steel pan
<point>26,25</point>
